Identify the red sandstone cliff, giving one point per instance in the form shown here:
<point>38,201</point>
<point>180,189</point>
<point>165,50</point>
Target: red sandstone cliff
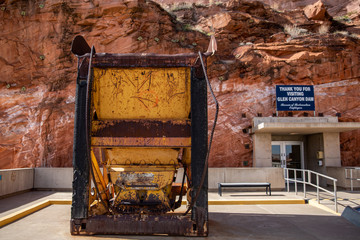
<point>37,83</point>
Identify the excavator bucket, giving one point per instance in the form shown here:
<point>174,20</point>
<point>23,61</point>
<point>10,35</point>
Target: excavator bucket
<point>140,124</point>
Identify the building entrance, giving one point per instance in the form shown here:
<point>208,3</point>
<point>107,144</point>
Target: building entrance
<point>288,154</point>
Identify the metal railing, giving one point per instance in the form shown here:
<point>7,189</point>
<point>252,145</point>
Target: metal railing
<point>307,180</point>
<point>349,174</point>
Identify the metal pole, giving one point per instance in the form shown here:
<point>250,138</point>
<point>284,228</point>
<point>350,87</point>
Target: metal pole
<point>335,197</point>
<point>317,189</point>
<point>304,182</point>
<point>287,179</point>
<point>295,171</point>
<point>351,179</point>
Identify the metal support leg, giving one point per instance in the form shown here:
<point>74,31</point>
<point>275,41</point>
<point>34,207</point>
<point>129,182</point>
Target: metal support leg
<point>270,189</point>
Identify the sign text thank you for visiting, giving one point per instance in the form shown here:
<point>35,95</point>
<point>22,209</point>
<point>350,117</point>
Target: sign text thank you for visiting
<point>295,98</point>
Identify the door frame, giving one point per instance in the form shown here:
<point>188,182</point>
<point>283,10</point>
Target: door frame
<point>283,149</point>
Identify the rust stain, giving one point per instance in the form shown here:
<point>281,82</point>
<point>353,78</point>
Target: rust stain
<point>140,142</point>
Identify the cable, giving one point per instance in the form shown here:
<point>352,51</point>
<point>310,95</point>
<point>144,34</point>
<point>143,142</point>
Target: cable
<point>178,203</point>
<point>211,137</point>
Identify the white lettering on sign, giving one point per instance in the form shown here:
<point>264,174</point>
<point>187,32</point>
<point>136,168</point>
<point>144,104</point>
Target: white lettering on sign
<point>296,99</point>
<point>282,99</point>
<point>295,93</point>
<point>286,89</point>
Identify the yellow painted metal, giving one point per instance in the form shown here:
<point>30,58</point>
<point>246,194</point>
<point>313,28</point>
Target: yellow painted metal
<point>141,168</point>
<point>98,177</point>
<point>141,93</point>
<point>154,156</point>
<point>105,176</point>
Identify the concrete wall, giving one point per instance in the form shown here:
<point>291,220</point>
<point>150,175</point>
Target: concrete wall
<point>332,149</point>
<point>262,150</point>
<point>53,178</point>
<point>275,176</point>
<point>16,180</point>
<point>315,143</point>
<point>339,174</point>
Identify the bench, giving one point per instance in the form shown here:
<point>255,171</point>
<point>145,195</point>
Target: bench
<point>267,185</point>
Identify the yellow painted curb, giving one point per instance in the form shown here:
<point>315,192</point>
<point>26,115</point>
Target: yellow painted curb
<point>60,201</point>
<point>258,202</point>
<point>31,209</point>
<point>36,207</point>
<point>314,203</point>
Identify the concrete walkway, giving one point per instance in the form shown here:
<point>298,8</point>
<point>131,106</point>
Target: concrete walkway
<point>260,221</point>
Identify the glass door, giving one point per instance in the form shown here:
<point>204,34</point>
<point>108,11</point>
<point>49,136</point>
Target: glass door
<point>276,155</point>
<point>288,154</point>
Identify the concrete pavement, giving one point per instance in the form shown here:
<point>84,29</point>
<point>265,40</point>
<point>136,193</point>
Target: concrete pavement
<point>226,222</point>
<point>259,221</point>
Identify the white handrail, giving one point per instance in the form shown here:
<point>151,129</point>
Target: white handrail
<point>309,182</point>
<point>351,176</point>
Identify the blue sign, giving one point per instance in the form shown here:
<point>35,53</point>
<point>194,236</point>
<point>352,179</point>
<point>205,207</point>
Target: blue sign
<point>295,98</point>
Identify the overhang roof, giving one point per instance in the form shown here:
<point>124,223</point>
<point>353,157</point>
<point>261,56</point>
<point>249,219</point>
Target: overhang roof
<point>305,128</point>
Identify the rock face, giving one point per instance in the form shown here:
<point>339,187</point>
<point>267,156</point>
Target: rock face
<point>250,90</point>
<point>37,85</point>
<point>316,11</point>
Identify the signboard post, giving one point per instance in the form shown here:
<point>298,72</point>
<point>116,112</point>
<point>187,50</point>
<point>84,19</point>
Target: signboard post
<point>295,98</point>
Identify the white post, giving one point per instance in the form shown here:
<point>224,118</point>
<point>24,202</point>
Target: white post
<point>295,171</point>
<point>304,182</point>
<point>317,189</point>
<point>351,180</point>
<point>335,197</point>
<point>287,177</point>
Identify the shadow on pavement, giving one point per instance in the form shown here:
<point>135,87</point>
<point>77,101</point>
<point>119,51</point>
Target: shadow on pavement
<point>16,201</point>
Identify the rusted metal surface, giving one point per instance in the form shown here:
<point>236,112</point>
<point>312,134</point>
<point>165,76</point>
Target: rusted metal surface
<point>140,142</point>
<point>173,224</point>
<point>83,68</point>
<point>140,113</point>
<point>176,189</point>
<point>134,156</point>
<point>107,60</point>
<point>141,128</point>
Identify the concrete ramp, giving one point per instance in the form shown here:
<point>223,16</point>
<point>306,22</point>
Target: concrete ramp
<point>352,215</point>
